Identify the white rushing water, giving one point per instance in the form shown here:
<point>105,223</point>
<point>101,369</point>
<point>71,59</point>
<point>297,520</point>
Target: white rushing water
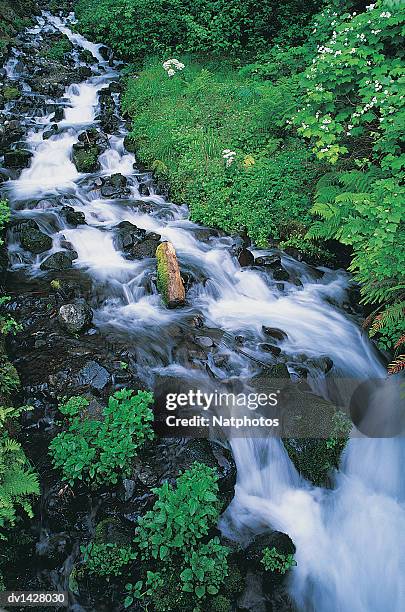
<point>349,555</point>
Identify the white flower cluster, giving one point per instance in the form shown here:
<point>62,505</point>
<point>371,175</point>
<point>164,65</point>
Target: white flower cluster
<point>229,156</point>
<point>171,66</point>
<point>370,7</point>
<point>386,14</point>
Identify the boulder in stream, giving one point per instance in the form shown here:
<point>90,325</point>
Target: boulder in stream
<point>134,241</point>
<point>72,216</point>
<point>115,186</point>
<point>169,281</point>
<point>62,260</point>
<point>75,317</point>
<point>33,240</point>
<point>17,158</point>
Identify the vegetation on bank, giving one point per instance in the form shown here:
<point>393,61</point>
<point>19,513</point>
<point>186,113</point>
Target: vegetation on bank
<point>290,126</point>
<point>18,482</point>
<point>14,16</point>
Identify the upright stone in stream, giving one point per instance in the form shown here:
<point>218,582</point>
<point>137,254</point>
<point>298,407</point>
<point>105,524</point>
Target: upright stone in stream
<point>169,281</point>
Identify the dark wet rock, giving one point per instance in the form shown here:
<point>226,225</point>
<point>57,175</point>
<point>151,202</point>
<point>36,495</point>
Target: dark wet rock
<point>268,261</point>
<point>135,242</point>
<point>72,216</point>
<point>84,72</point>
<point>105,52</point>
<point>68,246</point>
<point>17,158</point>
<point>51,132</point>
<point>85,152</point>
<point>108,118</point>
<point>115,186</point>
<point>129,144</point>
<point>59,114</point>
<point>94,376</point>
<point>279,600</point>
<point>166,460</point>
<point>10,132</point>
<point>144,189</point>
<point>33,240</point>
<point>87,56</point>
<point>205,234</point>
<point>274,332</point>
<point>75,317</point>
<point>246,258</point>
<point>204,341</point>
<point>59,261</point>
<point>280,274</point>
<point>323,363</point>
<point>270,348</point>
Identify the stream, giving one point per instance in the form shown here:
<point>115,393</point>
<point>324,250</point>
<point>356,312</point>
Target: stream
<point>349,555</point>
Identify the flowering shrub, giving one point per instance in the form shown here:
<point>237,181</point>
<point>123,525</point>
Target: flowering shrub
<point>354,109</point>
<point>355,89</point>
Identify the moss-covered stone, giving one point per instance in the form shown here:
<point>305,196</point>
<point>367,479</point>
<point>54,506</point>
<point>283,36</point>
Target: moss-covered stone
<point>169,281</point>
<point>129,144</point>
<point>58,49</point>
<point>11,93</point>
<point>86,158</point>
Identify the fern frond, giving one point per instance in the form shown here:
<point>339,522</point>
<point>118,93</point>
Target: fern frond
<point>390,316</point>
<point>399,342</point>
<point>397,365</point>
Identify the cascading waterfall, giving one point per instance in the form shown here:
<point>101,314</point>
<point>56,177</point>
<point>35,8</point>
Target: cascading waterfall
<point>348,551</point>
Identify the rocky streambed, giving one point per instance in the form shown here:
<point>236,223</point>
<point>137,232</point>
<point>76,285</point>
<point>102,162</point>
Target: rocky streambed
<point>82,274</point>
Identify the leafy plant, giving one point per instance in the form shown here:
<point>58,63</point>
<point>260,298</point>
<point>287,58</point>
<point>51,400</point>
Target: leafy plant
<point>174,538</point>
<point>277,562</point>
<point>100,451</point>
<point>18,481</point>
<point>106,559</point>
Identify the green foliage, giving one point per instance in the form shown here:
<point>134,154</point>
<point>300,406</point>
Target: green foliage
<point>354,95</point>
<point>101,451</point>
<point>365,210</point>
<point>188,121</point>
<point>181,516</point>
<point>18,482</point>
<point>275,561</point>
<point>174,535</point>
<point>339,435</point>
<point>4,216</point>
<point>136,28</point>
<point>354,107</point>
<point>9,379</point>
<point>11,93</point>
<point>58,49</point>
<point>106,559</point>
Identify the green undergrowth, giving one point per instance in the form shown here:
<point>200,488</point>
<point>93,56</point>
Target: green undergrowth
<point>217,134</point>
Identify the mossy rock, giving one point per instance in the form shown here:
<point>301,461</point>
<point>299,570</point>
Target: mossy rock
<point>58,49</point>
<point>11,93</point>
<point>169,282</point>
<point>86,159</point>
<point>111,531</point>
<point>129,144</point>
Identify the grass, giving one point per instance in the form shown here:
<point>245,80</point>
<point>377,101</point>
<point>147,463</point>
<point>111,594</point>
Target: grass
<point>182,124</point>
